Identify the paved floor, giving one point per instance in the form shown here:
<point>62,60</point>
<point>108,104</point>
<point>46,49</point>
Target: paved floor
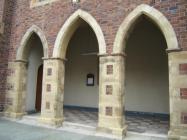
<point>16,131</point>
<point>81,125</point>
<point>136,123</point>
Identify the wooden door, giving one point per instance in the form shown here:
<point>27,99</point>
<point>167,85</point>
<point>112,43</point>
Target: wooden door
<point>39,89</point>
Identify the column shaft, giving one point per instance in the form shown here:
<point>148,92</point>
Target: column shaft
<point>15,98</point>
<point>111,92</point>
<point>178,95</point>
<point>52,92</point>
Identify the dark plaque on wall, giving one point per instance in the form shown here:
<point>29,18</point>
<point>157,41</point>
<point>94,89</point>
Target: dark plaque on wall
<point>90,79</point>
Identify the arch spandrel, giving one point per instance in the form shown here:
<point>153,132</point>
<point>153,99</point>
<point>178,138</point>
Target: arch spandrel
<point>156,16</point>
<point>21,55</point>
<point>69,28</point>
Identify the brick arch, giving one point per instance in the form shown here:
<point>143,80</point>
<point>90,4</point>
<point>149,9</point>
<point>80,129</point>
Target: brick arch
<point>68,29</point>
<point>156,16</point>
<point>21,55</point>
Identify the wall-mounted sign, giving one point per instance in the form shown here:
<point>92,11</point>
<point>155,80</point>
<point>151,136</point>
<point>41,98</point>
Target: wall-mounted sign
<point>90,79</point>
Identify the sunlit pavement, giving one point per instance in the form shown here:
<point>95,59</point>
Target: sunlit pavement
<point>10,130</point>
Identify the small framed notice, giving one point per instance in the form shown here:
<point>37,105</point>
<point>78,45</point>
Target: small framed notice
<point>90,79</point>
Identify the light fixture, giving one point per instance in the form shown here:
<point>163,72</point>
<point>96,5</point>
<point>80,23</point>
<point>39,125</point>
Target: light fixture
<point>75,1</point>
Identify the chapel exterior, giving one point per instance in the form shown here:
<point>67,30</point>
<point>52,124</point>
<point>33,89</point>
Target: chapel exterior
<point>112,56</point>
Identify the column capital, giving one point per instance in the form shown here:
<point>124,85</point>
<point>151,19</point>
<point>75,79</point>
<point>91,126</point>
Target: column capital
<point>173,50</point>
<point>21,61</point>
<point>112,54</point>
<point>54,58</point>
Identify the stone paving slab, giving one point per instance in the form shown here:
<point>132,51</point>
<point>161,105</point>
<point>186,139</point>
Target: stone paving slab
<point>15,131</point>
<point>136,122</point>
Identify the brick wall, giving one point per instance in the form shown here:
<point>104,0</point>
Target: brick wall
<point>109,14</point>
<point>1,9</point>
<point>6,13</point>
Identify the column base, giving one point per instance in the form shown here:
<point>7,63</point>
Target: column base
<point>1,114</point>
<point>14,115</point>
<point>177,135</point>
<point>56,122</point>
<point>119,132</point>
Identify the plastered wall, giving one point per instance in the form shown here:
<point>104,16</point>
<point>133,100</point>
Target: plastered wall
<point>34,61</point>
<point>78,65</point>
<point>146,70</point>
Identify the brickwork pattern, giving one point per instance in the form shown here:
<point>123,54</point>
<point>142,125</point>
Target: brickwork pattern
<point>6,16</point>
<point>17,22</point>
<point>109,15</point>
<point>102,11</point>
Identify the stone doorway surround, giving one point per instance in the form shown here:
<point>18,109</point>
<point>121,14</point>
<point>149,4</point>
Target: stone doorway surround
<point>112,74</point>
<point>177,62</point>
<point>16,80</point>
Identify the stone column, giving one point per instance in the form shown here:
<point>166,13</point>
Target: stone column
<point>52,92</point>
<point>16,81</point>
<point>111,95</point>
<point>178,95</point>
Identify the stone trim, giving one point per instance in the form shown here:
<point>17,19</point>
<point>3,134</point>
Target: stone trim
<point>155,16</point>
<point>70,26</point>
<point>23,46</point>
<point>36,3</point>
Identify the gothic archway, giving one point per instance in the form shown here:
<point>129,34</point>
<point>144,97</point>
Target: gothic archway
<point>68,29</point>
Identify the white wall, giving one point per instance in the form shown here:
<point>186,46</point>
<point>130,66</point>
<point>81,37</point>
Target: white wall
<point>77,93</point>
<point>146,71</point>
<point>34,61</point>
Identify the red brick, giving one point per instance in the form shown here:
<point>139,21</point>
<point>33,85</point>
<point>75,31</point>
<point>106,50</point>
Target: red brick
<point>183,93</point>
<point>47,105</point>
<point>183,68</point>
<point>49,71</point>
<point>184,118</point>
<point>19,17</point>
<point>109,69</point>
<point>108,111</point>
<point>48,88</point>
<point>109,89</point>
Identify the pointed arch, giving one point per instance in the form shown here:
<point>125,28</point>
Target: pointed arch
<point>70,26</point>
<point>21,55</point>
<point>156,16</point>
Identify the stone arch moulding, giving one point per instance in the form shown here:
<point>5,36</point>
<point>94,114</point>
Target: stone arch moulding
<point>21,50</point>
<point>68,29</point>
<point>156,16</point>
